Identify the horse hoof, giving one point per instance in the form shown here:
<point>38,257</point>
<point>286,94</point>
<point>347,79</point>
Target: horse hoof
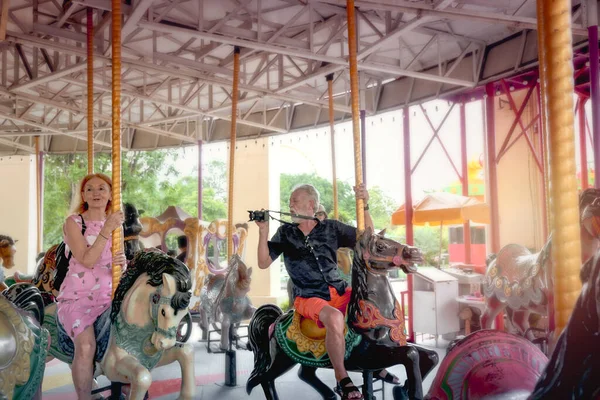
<point>400,393</point>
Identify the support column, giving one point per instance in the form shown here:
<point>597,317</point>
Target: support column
<point>408,209</point>
<point>582,142</point>
<point>594,85</point>
<point>465,179</point>
<point>491,164</point>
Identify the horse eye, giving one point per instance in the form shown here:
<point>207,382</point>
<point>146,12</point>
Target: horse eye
<point>163,312</point>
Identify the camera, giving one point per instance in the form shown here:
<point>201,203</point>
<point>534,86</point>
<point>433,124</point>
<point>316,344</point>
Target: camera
<point>258,216</point>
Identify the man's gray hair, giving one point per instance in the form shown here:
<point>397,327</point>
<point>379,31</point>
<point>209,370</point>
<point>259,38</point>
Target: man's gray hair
<point>312,192</point>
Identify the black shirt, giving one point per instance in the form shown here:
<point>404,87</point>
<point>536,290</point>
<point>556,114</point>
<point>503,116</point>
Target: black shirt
<point>311,261</point>
<point>181,257</point>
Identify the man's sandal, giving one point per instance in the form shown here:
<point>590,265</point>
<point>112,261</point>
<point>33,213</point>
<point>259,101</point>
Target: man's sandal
<point>388,378</point>
<point>347,389</point>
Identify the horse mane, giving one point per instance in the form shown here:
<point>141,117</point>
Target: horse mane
<point>155,264</point>
<point>360,290</point>
<point>10,240</point>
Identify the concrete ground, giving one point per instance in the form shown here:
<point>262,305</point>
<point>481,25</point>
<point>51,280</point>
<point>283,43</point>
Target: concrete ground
<point>210,378</point>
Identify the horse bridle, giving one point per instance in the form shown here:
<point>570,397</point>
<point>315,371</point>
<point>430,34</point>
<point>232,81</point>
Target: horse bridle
<point>156,299</point>
<point>395,260</point>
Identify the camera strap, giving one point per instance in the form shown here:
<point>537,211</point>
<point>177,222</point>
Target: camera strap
<point>291,215</point>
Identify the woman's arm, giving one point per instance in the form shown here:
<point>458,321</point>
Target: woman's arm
<point>88,256</point>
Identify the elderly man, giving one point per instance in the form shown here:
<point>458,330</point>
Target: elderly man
<point>309,249</point>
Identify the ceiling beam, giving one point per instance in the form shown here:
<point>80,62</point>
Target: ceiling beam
<point>16,145</point>
<point>141,6</point>
<point>145,65</point>
<point>451,13</point>
<point>391,69</point>
<point>50,77</point>
<point>50,129</point>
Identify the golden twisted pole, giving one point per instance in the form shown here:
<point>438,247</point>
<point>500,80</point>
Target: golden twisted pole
<point>566,247</point>
<point>332,130</point>
<point>90,89</point>
<point>358,177</point>
<point>117,235</point>
<point>38,183</point>
<point>234,100</point>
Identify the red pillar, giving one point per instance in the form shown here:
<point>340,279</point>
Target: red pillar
<point>465,179</point>
<point>493,177</point>
<point>582,142</point>
<point>409,213</point>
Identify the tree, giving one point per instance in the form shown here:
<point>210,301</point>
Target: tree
<point>149,180</point>
<point>380,205</point>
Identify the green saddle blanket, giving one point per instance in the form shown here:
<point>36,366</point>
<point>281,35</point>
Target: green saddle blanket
<point>304,343</point>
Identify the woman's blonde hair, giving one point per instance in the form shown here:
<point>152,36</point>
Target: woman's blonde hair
<point>80,205</point>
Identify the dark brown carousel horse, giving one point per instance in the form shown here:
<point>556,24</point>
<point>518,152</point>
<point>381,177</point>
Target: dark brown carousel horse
<point>521,283</point>
<point>497,365</point>
<point>375,334</point>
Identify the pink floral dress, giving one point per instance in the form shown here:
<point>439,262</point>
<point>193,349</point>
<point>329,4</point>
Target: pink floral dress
<point>85,292</point>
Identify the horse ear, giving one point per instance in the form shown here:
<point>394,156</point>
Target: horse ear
<point>249,272</point>
<point>382,232</point>
<point>364,239</point>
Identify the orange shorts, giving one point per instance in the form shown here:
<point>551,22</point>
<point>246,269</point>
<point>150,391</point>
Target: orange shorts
<point>311,307</point>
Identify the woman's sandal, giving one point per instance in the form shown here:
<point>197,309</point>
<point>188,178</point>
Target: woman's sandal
<point>388,378</point>
<point>347,389</point>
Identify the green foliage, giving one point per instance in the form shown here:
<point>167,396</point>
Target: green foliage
<point>380,205</point>
<point>427,238</point>
<point>149,181</point>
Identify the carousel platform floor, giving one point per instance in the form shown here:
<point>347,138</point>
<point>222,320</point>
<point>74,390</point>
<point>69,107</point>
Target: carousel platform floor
<point>210,378</point>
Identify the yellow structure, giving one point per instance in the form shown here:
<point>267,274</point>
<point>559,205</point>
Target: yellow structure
<point>18,214</point>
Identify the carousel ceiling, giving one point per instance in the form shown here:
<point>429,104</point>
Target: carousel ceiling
<point>177,64</point>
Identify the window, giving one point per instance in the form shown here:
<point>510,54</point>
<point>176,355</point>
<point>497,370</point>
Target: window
<point>477,235</point>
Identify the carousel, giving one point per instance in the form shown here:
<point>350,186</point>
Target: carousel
<point>205,324</point>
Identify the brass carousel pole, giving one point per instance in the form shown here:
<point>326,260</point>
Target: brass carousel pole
<point>230,355</point>
<point>38,192</point>
<point>566,246</point>
<point>332,130</point>
<point>354,94</point>
<point>234,100</point>
<point>90,89</point>
<point>117,235</point>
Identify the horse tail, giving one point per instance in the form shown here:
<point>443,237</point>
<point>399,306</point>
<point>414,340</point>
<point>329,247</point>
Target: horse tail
<point>258,341</point>
<point>27,297</point>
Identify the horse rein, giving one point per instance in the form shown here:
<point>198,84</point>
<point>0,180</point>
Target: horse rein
<point>156,299</point>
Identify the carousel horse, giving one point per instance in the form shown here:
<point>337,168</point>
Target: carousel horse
<point>138,333</point>
<point>7,255</point>
<point>375,334</point>
<point>24,343</point>
<point>522,283</point>
<point>225,299</point>
<point>498,365</point>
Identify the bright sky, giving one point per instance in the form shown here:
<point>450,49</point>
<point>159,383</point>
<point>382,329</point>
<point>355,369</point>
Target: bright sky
<point>309,151</point>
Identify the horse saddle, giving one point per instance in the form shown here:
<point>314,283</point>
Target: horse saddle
<point>62,346</point>
<point>304,341</point>
<point>511,279</point>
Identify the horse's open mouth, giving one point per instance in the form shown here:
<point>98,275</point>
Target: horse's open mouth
<point>409,269</point>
